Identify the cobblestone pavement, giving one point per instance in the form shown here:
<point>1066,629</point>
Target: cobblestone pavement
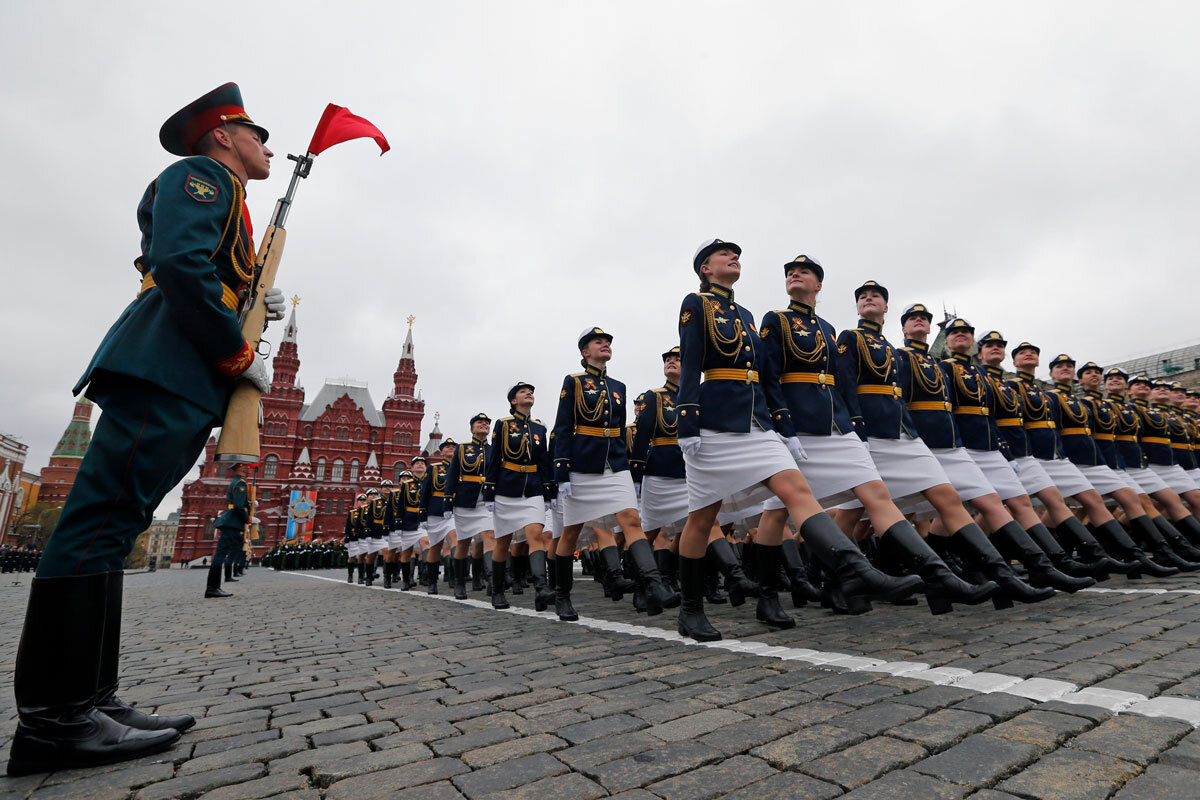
<point>307,687</point>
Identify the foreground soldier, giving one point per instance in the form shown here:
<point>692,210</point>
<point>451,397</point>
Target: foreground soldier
<point>163,376</point>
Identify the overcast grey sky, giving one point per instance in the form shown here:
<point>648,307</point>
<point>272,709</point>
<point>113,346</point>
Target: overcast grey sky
<point>554,165</point>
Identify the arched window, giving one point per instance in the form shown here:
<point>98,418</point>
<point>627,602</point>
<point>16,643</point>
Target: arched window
<point>308,431</point>
<point>342,433</point>
<point>335,474</point>
<point>320,469</point>
<point>324,431</point>
<point>399,469</point>
<point>396,438</point>
<point>375,434</point>
<point>354,471</point>
<point>270,466</point>
<point>358,434</point>
<point>341,508</point>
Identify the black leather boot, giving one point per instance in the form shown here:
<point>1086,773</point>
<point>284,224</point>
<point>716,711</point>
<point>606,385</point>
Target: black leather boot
<point>432,570</point>
<point>1189,526</point>
<point>388,568</point>
<point>349,573</point>
<point>487,572</point>
<point>747,553</point>
<point>1144,531</point>
<point>666,567</point>
<point>55,682</point>
<point>803,592</point>
<point>543,594</point>
<point>692,622</point>
<point>516,573</point>
<point>1013,541</point>
<point>856,580</point>
<point>462,571</point>
<point>658,595</point>
<point>110,657</point>
<point>768,611</point>
<point>712,583</point>
<point>406,573</point>
<point>498,575</point>
<point>720,552</point>
<point>213,587</point>
<point>639,596</point>
<point>616,585</point>
<point>1073,534</point>
<point>1176,539</point>
<point>551,569</point>
<point>1115,539</point>
<point>942,586</point>
<point>975,548</point>
<point>562,593</point>
<point>362,571</point>
<point>1059,557</point>
<point>477,574</point>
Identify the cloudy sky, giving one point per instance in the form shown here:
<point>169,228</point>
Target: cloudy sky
<point>554,165</point>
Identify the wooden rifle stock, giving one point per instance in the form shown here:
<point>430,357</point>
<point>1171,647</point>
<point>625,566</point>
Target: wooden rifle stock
<point>239,431</point>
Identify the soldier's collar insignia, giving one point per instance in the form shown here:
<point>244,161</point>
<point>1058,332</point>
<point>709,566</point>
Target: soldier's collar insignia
<point>721,291</point>
<point>671,386</point>
<point>868,325</point>
<point>200,190</point>
<point>803,308</point>
<point>961,358</point>
<point>593,371</point>
<point>915,344</point>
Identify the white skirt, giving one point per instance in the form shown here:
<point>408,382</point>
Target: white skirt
<point>437,528</point>
<point>1103,479</point>
<point>512,514</point>
<point>664,502</point>
<point>409,539</point>
<point>1175,477</point>
<point>731,468</point>
<point>395,541</point>
<point>470,522</point>
<point>376,544</point>
<point>743,519</point>
<point>835,465</point>
<point>1033,478</point>
<point>907,466</point>
<point>1066,476</point>
<point>598,498</point>
<point>354,549</point>
<point>1147,480</point>
<point>999,472</point>
<point>965,475</point>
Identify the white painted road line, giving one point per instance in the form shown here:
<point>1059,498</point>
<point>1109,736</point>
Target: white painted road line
<point>1039,689</point>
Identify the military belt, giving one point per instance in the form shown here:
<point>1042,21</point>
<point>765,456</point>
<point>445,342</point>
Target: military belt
<point>1122,437</point>
<point>229,297</point>
<point>819,378</point>
<point>471,478</point>
<point>893,390</point>
<point>979,410</point>
<point>603,433</point>
<point>1178,446</point>
<point>929,405</point>
<point>747,375</point>
<point>1155,440</point>
<point>438,494</point>
<point>527,468</point>
<point>1076,431</point>
<point>413,509</point>
<point>1045,423</point>
<point>1011,422</point>
<point>664,440</point>
<point>1104,437</point>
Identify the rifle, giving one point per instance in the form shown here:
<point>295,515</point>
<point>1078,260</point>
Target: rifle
<point>243,415</point>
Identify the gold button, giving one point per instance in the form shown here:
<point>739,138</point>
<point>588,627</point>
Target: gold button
<point>747,348</point>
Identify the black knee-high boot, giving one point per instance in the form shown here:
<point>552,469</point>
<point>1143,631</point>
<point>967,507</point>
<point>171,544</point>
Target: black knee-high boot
<point>350,572</point>
<point>721,553</point>
<point>543,594</point>
<point>406,571</point>
<point>942,586</point>
<point>477,574</point>
<point>769,561</point>
<point>803,592</point>
<point>362,571</point>
<point>1176,539</point>
<point>498,576</point>
<point>658,595</point>
<point>1013,540</point>
<point>712,583</point>
<point>1144,531</point>
<point>462,571</point>
<point>1117,541</point>
<point>666,567</point>
<point>1189,526</point>
<point>1073,534</point>
<point>692,621</point>
<point>56,679</point>
<point>1059,557</point>
<point>975,548</point>
<point>565,581</point>
<point>855,578</point>
<point>431,576</point>
<point>616,585</point>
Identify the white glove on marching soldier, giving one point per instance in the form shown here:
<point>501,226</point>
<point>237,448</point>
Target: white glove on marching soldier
<point>564,490</point>
<point>690,445</point>
<point>256,373</point>
<point>490,507</point>
<point>794,447</point>
<point>275,304</point>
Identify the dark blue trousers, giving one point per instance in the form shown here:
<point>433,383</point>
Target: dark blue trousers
<point>229,544</point>
<point>145,442</point>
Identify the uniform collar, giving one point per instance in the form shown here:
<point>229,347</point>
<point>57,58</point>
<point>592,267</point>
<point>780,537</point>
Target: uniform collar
<point>671,386</point>
<point>867,325</point>
<point>802,308</point>
<point>597,371</point>
<point>917,344</point>
<point>994,372</point>
<point>1092,393</point>
<point>721,291</point>
<point>477,440</point>
<point>960,358</point>
<point>1116,398</point>
<point>518,415</point>
<point>1141,401</point>
<point>1028,377</point>
<point>1059,386</point>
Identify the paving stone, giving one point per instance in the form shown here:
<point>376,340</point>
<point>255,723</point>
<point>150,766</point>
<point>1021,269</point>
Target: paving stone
<point>325,724</point>
<point>513,748</point>
<point>1132,738</point>
<point>864,762</point>
<point>270,786</point>
<point>875,719</point>
<point>935,697</point>
<point>457,745</point>
<point>1071,775</point>
<point>328,773</point>
<point>389,783</point>
<point>358,733</point>
<point>233,742</point>
<point>979,760</point>
<point>600,751</point>
<point>604,726</point>
<point>200,782</point>
<point>806,745</point>
<point>908,785</point>
<point>997,705</point>
<point>306,759</point>
<point>651,765</point>
<point>742,736</point>
<point>508,775</point>
<point>1159,781</point>
<point>1045,729</point>
<point>815,712</point>
<point>263,751</point>
<point>715,780</point>
<point>786,786</point>
<point>571,786</point>
<point>941,729</point>
<point>695,725</point>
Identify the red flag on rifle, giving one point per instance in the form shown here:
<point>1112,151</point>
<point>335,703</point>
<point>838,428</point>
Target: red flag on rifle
<point>338,125</point>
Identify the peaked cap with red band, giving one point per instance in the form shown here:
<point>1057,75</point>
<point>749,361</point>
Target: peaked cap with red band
<point>183,129</point>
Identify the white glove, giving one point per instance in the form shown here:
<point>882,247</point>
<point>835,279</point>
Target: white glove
<point>564,490</point>
<point>549,505</point>
<point>256,373</point>
<point>690,445</point>
<point>796,449</point>
<point>491,507</point>
<point>275,304</point>
<point>554,504</point>
<point>637,488</point>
